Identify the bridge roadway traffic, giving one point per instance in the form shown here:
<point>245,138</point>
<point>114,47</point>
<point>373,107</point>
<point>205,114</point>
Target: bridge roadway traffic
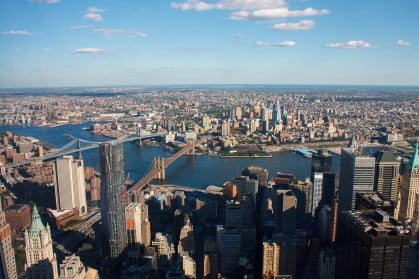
<point>155,170</point>
<point>79,149</point>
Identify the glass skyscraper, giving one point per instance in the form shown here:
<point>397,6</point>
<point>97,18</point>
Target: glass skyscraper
<point>112,190</point>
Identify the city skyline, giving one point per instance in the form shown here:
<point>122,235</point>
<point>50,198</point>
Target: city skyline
<point>54,43</point>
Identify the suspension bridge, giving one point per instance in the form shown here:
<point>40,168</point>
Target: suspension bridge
<point>77,145</point>
<point>157,167</point>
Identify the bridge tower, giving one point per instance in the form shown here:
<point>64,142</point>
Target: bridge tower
<point>191,143</point>
<point>78,147</point>
<point>159,165</point>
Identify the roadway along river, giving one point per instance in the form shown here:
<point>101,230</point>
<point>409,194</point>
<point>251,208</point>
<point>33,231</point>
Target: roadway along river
<point>198,171</point>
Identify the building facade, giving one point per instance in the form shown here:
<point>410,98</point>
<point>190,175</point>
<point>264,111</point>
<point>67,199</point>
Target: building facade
<point>70,185</point>
<point>41,261</point>
<point>386,175</point>
<point>7,253</point>
<point>112,188</point>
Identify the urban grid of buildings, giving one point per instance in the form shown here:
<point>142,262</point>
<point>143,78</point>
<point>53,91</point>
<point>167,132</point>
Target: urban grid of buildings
<point>61,219</point>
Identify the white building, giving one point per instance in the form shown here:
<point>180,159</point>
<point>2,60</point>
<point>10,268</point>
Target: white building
<point>72,268</point>
<point>70,187</point>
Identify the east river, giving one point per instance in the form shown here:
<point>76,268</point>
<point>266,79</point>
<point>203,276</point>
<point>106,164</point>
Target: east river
<point>191,171</point>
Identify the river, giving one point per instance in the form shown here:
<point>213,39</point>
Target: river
<point>191,171</point>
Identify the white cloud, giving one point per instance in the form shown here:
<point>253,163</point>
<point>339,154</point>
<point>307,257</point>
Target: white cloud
<point>403,43</point>
<point>88,50</point>
<point>45,1</point>
<point>110,32</point>
<point>228,5</point>
<point>276,13</point>
<point>351,44</point>
<point>80,26</point>
<point>302,25</point>
<point>285,44</point>
<point>18,32</point>
<point>262,44</point>
<point>95,10</point>
<point>93,17</point>
<point>280,44</point>
<point>238,36</point>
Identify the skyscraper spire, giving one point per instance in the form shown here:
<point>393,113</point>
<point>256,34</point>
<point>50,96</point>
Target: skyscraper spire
<point>414,161</point>
<point>36,223</point>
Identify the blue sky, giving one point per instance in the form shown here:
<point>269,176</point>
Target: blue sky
<point>48,43</point>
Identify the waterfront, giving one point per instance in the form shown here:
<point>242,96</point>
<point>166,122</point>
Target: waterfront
<point>198,171</point>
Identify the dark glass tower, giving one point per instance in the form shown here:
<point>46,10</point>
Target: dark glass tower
<point>112,189</point>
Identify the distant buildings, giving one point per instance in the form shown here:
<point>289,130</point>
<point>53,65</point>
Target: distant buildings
<point>41,261</point>
<point>70,187</point>
<point>7,253</point>
<point>112,205</point>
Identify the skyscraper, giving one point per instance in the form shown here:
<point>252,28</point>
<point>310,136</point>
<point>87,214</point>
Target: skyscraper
<point>70,186</point>
<point>112,188</point>
<point>138,229</point>
<point>386,175</point>
<point>41,261</point>
<point>72,268</point>
<point>410,185</point>
<point>7,253</point>
<point>229,247</point>
<point>356,175</point>
<point>370,245</point>
<point>187,238</point>
<point>270,265</point>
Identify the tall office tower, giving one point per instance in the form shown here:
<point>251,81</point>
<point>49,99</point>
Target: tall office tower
<point>270,264</point>
<point>225,129</point>
<point>234,214</point>
<point>415,218</point>
<point>285,204</point>
<point>163,244</point>
<point>138,230</point>
<point>370,245</point>
<point>189,264</point>
<point>187,238</point>
<point>287,253</point>
<point>320,163</point>
<point>303,191</point>
<point>229,247</point>
<point>41,261</point>
<point>327,264</point>
<point>210,265</point>
<point>112,206</point>
<point>356,175</point>
<point>410,185</point>
<point>330,187</point>
<point>258,173</point>
<point>70,186</point>
<point>238,113</point>
<point>386,175</point>
<point>245,187</point>
<point>254,124</point>
<point>317,191</point>
<point>72,268</point>
<point>7,253</point>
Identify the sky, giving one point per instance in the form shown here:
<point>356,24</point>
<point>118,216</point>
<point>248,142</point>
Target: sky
<point>64,43</point>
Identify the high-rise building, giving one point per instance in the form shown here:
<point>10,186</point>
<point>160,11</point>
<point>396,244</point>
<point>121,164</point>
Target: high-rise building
<point>317,191</point>
<point>386,175</point>
<point>206,122</point>
<point>189,264</point>
<point>112,188</point>
<point>225,129</point>
<point>245,187</point>
<point>138,230</point>
<point>229,248</point>
<point>287,245</point>
<point>356,175</point>
<point>285,204</point>
<point>163,245</point>
<point>210,265</point>
<point>327,264</point>
<point>72,268</point>
<point>303,191</point>
<point>7,253</point>
<point>41,261</point>
<point>238,113</point>
<point>370,245</point>
<point>320,163</point>
<point>258,173</point>
<point>330,186</point>
<point>70,185</point>
<point>410,185</point>
<point>187,238</point>
<point>270,265</point>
